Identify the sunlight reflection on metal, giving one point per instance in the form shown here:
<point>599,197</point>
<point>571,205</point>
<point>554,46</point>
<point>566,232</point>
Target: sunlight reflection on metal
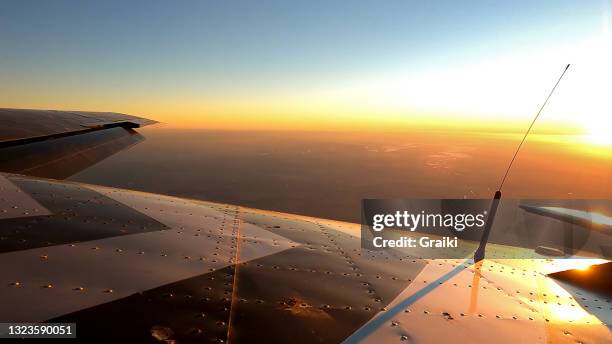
<point>475,284</point>
<point>557,312</point>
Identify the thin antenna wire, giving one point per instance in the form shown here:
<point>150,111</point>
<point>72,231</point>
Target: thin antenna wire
<point>529,129</point>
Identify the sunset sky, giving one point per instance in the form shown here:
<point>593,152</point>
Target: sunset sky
<point>331,65</point>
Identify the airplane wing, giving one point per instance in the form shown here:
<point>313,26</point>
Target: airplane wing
<point>590,220</point>
<point>58,144</point>
<point>140,267</point>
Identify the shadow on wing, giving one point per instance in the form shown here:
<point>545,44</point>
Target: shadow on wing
<point>62,157</point>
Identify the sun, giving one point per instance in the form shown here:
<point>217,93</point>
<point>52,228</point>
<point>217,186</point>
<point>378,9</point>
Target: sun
<point>598,130</point>
<point>595,105</point>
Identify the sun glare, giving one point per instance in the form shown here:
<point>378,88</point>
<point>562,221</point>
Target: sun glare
<point>597,121</point>
<point>599,132</point>
<point>597,118</point>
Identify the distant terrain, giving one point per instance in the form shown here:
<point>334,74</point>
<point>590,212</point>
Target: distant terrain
<point>326,174</point>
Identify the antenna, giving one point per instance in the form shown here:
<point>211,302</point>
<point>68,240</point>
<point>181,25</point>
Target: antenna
<point>480,252</point>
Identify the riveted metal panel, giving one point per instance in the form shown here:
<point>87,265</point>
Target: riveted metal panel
<point>77,214</point>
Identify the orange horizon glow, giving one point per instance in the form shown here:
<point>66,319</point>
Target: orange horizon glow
<point>254,116</point>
